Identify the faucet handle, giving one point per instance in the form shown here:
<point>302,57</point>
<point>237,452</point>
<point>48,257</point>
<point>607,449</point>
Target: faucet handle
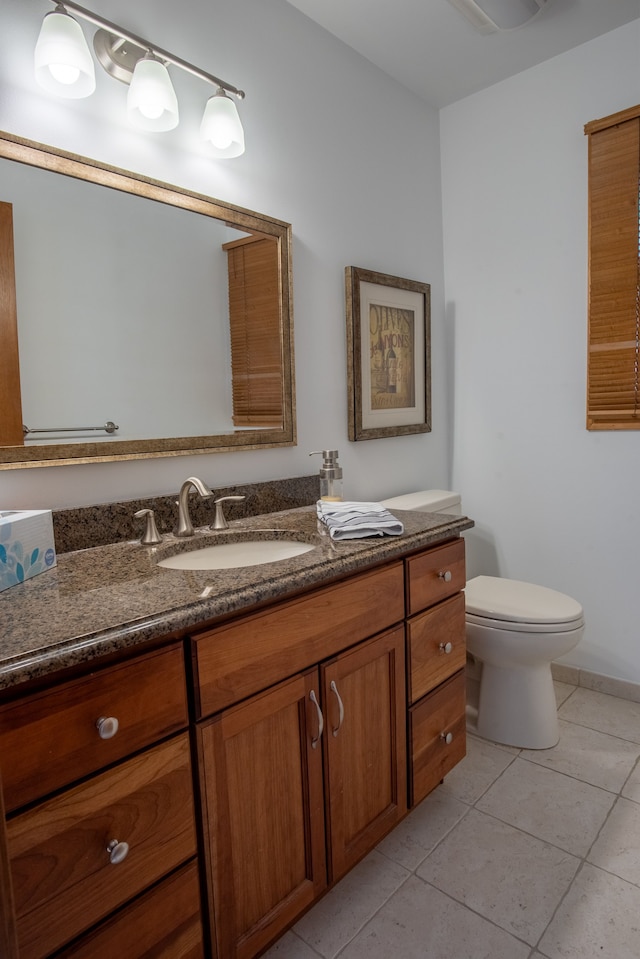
<point>220,520</point>
<point>151,535</point>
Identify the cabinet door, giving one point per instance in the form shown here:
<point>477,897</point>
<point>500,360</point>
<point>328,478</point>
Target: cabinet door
<point>261,782</point>
<point>365,747</point>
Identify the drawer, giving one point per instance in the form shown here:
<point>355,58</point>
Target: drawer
<point>428,579</point>
<point>250,655</point>
<point>63,880</point>
<point>436,716</point>
<point>50,739</point>
<point>436,647</point>
<point>164,923</point>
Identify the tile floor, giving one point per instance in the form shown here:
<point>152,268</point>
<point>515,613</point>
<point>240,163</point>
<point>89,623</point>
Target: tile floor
<point>520,854</point>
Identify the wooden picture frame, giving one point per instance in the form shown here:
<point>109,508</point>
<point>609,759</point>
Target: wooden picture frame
<point>388,354</point>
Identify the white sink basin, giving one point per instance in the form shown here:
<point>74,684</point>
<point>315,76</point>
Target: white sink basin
<point>254,552</point>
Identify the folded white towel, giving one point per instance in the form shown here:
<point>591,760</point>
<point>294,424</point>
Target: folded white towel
<point>349,520</point>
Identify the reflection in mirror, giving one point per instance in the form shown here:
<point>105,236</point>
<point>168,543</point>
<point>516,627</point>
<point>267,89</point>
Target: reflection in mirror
<point>162,312</point>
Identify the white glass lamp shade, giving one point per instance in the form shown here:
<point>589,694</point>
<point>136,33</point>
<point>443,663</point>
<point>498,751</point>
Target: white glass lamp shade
<point>62,61</point>
<point>151,102</point>
<point>221,126</point>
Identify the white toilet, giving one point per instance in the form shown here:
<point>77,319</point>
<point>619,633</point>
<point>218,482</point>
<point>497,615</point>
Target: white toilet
<point>514,630</point>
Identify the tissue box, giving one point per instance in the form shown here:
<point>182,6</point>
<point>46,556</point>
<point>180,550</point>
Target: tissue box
<point>26,545</point>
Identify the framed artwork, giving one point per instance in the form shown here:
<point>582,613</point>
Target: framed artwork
<point>388,354</point>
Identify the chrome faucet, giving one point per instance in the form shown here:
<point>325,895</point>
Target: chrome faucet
<point>185,526</point>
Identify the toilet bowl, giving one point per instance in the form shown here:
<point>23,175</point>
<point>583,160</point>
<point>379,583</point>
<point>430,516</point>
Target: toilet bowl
<point>514,631</point>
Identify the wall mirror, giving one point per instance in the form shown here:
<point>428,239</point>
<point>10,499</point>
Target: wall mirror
<point>137,319</point>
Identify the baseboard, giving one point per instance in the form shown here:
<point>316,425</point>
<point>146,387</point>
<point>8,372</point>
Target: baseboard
<point>601,684</point>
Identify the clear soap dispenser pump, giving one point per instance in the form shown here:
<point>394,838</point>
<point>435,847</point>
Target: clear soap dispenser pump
<point>330,476</point>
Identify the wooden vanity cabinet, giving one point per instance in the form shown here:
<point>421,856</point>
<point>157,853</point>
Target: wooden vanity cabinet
<point>113,818</point>
<point>274,835</point>
<point>303,779</point>
<point>313,724</point>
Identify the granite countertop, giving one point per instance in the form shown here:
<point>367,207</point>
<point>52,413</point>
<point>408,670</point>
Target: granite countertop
<point>98,601</point>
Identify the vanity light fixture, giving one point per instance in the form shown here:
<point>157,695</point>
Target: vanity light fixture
<point>63,63</point>
<point>151,102</point>
<point>221,125</point>
<point>64,66</point>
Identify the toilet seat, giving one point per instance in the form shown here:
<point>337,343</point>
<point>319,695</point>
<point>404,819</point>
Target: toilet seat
<point>520,607</point>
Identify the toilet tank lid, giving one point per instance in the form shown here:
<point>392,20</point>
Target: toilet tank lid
<point>510,599</point>
<point>428,500</point>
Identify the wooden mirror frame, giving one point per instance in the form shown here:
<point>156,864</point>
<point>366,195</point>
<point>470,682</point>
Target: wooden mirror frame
<point>14,455</point>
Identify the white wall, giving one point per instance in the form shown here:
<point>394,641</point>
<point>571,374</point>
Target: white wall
<point>554,504</point>
<point>333,146</point>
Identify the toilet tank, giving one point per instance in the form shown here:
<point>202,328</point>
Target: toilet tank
<point>427,501</point>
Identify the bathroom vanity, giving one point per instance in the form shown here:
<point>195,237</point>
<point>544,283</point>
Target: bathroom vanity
<point>190,759</point>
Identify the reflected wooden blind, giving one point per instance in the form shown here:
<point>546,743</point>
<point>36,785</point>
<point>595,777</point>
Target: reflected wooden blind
<point>11,433</point>
<point>256,343</point>
<point>613,375</point>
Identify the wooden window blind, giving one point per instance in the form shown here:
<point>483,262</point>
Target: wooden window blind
<point>613,373</point>
<point>11,433</point>
<point>256,341</point>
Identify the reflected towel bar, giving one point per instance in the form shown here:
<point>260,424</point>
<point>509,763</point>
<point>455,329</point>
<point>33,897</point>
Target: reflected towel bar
<point>109,427</point>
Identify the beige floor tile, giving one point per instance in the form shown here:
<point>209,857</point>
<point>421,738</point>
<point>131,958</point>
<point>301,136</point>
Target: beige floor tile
<point>290,947</point>
<point>350,904</point>
<point>587,754</point>
<point>423,828</point>
<point>598,919</point>
<point>557,808</point>
<point>562,691</point>
<point>419,922</point>
<point>478,770</point>
<point>513,879</point>
<point>608,714</point>
<point>632,786</point>
<point>617,848</point>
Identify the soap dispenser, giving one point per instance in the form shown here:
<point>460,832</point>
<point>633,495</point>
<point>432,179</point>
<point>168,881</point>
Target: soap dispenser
<point>330,476</point>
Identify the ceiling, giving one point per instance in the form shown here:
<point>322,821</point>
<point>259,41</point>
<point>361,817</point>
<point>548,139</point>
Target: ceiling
<point>431,48</point>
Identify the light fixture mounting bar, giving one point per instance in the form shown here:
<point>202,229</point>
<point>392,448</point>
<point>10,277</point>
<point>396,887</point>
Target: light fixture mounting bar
<point>117,31</point>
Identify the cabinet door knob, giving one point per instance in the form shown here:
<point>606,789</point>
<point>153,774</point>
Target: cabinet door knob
<point>334,689</point>
<point>316,739</point>
<point>447,737</point>
<point>445,574</point>
<point>107,727</point>
<point>117,851</point>
<point>446,647</point>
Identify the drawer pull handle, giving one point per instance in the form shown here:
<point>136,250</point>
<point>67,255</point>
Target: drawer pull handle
<point>445,574</point>
<point>447,737</point>
<point>312,697</point>
<point>107,727</point>
<point>117,851</point>
<point>334,690</point>
<point>446,647</point>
